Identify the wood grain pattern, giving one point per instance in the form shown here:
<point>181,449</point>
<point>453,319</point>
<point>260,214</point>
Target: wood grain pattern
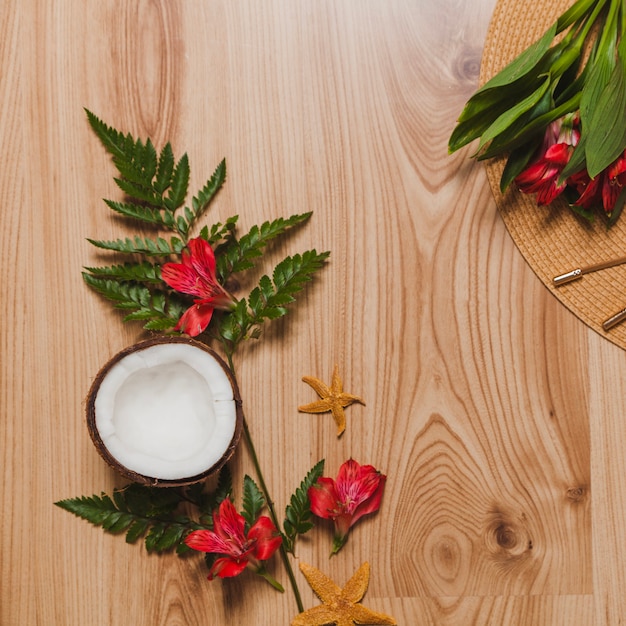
<point>497,416</point>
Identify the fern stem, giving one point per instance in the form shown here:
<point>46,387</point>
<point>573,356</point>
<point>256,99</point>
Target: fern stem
<point>268,499</point>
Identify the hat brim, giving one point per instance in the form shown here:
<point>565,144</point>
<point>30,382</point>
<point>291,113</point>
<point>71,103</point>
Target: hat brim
<point>552,239</point>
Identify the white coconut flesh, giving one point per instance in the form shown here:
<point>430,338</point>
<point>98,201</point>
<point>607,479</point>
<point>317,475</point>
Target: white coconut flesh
<point>167,411</point>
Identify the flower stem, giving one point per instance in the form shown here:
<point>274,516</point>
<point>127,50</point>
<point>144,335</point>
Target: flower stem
<point>272,581</point>
<point>269,501</point>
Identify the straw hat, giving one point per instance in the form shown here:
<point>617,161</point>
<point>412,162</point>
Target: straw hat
<point>552,239</point>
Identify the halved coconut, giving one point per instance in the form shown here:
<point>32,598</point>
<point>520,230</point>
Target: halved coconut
<point>165,412</point>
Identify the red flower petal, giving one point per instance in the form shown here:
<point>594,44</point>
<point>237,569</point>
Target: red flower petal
<point>229,525</point>
<point>181,277</point>
<point>195,319</point>
<point>372,504</point>
<point>324,498</point>
<point>356,484</point>
<point>203,259</point>
<point>206,541</point>
<point>265,538</point>
<point>227,568</point>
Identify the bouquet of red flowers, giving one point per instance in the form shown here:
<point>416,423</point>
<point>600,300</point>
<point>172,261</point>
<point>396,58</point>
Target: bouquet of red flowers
<point>558,113</point>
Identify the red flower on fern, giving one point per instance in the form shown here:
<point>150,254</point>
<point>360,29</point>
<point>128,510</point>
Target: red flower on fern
<point>196,276</point>
<point>357,491</point>
<point>237,549</point>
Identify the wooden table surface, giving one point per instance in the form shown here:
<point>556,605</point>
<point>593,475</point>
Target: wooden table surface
<point>498,417</point>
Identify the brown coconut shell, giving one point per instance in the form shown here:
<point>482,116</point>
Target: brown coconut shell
<point>150,480</point>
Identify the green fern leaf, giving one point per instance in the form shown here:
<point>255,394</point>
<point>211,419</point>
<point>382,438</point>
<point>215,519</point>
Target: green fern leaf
<point>298,512</point>
<point>219,231</point>
<point>138,192</point>
<point>237,255</point>
<point>200,202</point>
<point>140,272</point>
<point>179,186</point>
<point>139,162</point>
<point>137,529</point>
<point>141,212</point>
<point>268,299</point>
<point>165,169</point>
<point>114,142</point>
<point>159,310</point>
<point>253,500</point>
<point>139,245</point>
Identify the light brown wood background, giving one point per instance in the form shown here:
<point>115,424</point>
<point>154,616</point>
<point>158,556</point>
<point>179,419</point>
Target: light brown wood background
<point>498,417</point>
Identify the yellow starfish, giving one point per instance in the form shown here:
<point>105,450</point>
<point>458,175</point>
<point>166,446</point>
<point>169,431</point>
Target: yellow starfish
<point>340,605</point>
<point>333,399</point>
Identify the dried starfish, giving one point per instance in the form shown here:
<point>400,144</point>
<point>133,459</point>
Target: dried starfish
<point>333,399</point>
<point>340,605</point>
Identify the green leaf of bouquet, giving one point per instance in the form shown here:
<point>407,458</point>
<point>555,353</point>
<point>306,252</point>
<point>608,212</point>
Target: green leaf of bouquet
<point>505,120</point>
<point>516,163</point>
<point>529,127</point>
<point>253,500</point>
<point>606,132</point>
<point>576,12</point>
<point>298,512</point>
<point>515,83</point>
<point>524,63</point>
<point>599,76</point>
<point>470,129</point>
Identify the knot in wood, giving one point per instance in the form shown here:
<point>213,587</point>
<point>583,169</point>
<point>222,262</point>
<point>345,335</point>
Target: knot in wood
<point>577,494</point>
<point>467,65</point>
<point>507,537</point>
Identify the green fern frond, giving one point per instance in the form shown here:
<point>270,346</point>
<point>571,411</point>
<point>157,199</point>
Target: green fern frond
<point>136,510</point>
<point>144,272</point>
<point>268,300</point>
<point>253,501</point>
<point>237,254</point>
<point>298,513</point>
<point>201,201</point>
<point>159,310</point>
<point>143,213</point>
<point>145,246</point>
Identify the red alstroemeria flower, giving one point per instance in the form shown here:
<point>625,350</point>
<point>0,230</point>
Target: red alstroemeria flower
<point>542,175</point>
<point>195,276</point>
<point>356,492</point>
<point>603,190</point>
<point>228,539</point>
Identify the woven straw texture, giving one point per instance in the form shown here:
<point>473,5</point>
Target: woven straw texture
<point>552,239</point>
